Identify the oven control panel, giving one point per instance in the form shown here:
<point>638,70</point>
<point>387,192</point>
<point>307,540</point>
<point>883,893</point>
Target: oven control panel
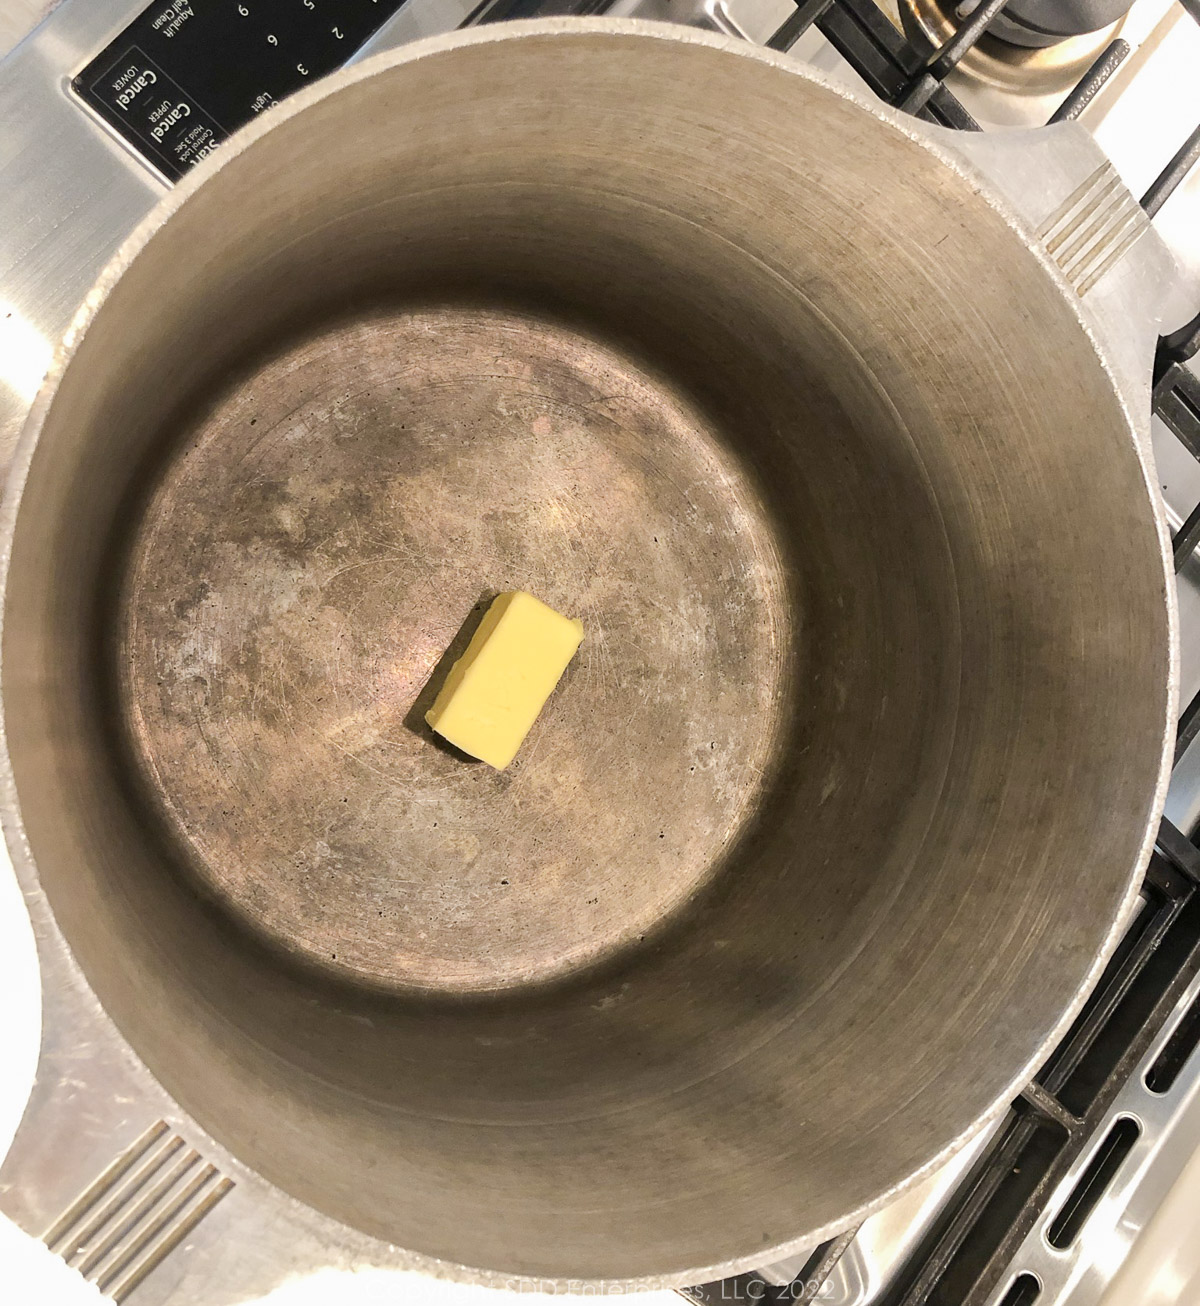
<point>186,74</point>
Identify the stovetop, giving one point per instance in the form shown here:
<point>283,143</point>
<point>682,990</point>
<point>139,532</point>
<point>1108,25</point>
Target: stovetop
<point>1045,1205</point>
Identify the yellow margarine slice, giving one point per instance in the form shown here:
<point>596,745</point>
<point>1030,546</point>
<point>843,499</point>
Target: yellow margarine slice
<point>495,691</point>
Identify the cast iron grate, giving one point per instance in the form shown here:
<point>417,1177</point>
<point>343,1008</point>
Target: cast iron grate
<point>970,1248</point>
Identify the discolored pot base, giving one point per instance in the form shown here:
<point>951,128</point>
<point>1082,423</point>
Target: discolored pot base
<point>330,527</point>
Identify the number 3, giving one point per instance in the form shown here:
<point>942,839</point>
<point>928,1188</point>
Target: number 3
<point>300,68</point>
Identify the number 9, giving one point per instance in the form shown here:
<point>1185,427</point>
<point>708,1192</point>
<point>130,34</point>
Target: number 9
<point>274,40</point>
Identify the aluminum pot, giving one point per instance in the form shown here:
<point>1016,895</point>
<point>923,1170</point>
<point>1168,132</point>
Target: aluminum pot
<point>815,417</point>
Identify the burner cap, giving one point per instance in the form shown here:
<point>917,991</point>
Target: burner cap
<point>1042,23</point>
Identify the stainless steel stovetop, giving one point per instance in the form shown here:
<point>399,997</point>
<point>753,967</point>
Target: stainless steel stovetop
<point>71,189</point>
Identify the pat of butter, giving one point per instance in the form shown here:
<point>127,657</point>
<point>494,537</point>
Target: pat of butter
<point>495,691</point>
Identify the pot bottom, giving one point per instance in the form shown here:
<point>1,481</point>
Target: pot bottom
<point>317,549</point>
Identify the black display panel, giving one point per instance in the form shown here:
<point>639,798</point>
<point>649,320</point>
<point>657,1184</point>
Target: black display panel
<point>186,74</point>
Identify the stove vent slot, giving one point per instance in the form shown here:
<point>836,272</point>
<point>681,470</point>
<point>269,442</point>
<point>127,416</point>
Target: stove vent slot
<point>1176,1051</point>
<point>1023,1291</point>
<point>1092,1183</point>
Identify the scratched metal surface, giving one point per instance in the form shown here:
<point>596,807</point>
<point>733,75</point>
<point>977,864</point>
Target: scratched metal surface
<point>291,595</point>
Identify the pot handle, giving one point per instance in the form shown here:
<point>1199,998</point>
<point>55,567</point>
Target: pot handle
<point>109,1173</point>
<point>1079,213</point>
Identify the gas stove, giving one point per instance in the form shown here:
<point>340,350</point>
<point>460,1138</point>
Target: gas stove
<point>105,104</point>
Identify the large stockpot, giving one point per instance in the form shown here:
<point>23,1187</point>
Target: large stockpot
<point>829,829</point>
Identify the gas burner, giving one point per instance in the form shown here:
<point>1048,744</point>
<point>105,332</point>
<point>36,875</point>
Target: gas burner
<point>1040,23</point>
<point>1013,54</point>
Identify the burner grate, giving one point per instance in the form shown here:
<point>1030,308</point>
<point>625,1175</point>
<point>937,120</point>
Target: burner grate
<point>970,1248</point>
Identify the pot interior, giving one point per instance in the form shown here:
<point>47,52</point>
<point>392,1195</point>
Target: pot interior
<point>830,819</point>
